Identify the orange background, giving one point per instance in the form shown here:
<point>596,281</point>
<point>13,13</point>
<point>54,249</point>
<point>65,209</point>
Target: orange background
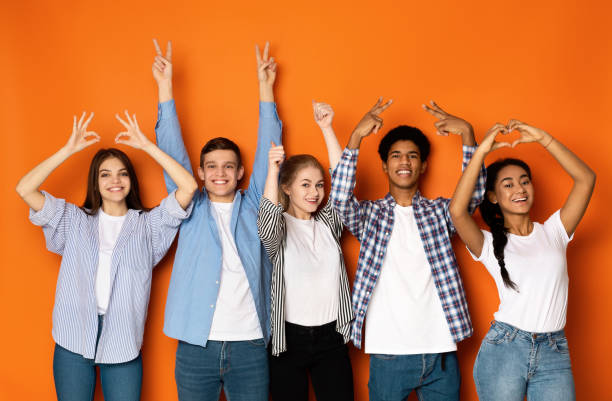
<point>547,63</point>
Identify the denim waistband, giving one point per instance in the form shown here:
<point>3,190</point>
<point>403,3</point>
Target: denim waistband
<point>296,329</point>
<point>537,337</point>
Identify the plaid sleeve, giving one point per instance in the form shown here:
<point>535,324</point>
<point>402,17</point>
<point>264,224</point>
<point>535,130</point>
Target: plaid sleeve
<point>479,189</point>
<point>343,200</point>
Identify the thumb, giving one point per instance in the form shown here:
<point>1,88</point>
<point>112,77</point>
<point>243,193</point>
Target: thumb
<point>273,144</point>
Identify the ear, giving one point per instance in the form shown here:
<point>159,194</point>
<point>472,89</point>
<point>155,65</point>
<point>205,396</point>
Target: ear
<point>240,172</point>
<point>201,173</point>
<point>285,190</point>
<point>384,167</point>
<point>492,197</point>
<point>423,166</point>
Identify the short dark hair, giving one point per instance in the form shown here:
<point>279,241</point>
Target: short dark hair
<point>220,143</point>
<point>404,133</point>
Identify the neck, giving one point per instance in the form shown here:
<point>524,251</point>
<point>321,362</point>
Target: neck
<point>221,199</point>
<point>298,214</point>
<point>115,208</point>
<point>403,196</point>
<point>518,224</point>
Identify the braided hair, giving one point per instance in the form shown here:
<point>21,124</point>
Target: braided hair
<point>494,218</point>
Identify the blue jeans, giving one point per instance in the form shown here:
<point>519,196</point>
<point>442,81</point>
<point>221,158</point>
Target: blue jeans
<point>240,367</point>
<point>434,377</point>
<point>75,376</point>
<point>513,363</point>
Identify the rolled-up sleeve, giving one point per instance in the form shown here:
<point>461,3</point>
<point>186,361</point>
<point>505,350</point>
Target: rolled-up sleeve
<point>164,222</point>
<point>55,219</point>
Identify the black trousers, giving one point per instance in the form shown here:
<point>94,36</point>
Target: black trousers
<point>317,351</point>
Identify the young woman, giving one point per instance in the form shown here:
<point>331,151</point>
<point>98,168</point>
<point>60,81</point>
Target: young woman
<point>108,247</point>
<point>525,352</point>
<point>311,306</point>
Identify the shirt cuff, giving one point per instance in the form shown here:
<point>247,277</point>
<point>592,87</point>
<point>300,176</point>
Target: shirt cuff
<point>267,110</point>
<point>44,215</point>
<point>166,110</point>
<point>173,207</point>
<point>266,205</point>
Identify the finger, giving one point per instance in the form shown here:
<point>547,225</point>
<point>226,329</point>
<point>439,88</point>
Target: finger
<point>273,144</point>
<point>378,102</point>
<point>92,141</point>
<point>266,51</point>
<point>126,125</point>
<point>377,126</point>
<point>121,134</point>
<point>257,54</point>
<point>135,122</point>
<point>159,66</point>
<point>433,112</point>
<point>169,50</point>
<point>128,117</point>
<point>80,124</point>
<point>74,123</point>
<point>88,120</point>
<point>385,106</point>
<point>436,107</point>
<point>498,145</point>
<point>157,48</point>
<point>165,61</point>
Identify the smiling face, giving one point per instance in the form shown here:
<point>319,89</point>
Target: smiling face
<point>113,181</point>
<point>513,191</point>
<point>221,172</point>
<point>305,192</point>
<point>404,166</point>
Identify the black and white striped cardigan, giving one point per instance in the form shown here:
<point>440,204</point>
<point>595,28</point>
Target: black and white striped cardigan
<point>272,231</point>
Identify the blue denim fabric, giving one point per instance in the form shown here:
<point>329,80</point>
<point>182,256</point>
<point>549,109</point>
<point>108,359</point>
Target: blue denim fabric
<point>434,377</point>
<point>240,367</point>
<point>513,363</point>
<point>75,376</point>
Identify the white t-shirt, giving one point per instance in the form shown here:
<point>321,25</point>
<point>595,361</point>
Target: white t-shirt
<point>311,272</point>
<point>538,266</point>
<point>235,317</point>
<point>109,228</point>
<point>405,314</point>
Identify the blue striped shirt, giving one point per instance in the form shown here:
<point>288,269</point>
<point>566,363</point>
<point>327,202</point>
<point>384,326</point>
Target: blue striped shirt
<point>144,239</point>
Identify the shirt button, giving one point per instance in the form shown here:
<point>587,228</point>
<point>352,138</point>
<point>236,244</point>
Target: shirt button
<point>368,293</point>
<point>361,312</point>
<point>212,306</point>
<point>217,282</point>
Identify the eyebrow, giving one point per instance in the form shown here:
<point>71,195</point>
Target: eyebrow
<point>105,169</point>
<point>510,178</point>
<point>409,152</point>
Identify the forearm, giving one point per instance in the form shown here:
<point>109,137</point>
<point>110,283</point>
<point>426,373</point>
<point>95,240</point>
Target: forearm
<point>186,184</point>
<point>164,90</point>
<point>354,141</point>
<point>334,150</point>
<point>27,188</point>
<point>266,92</point>
<point>271,187</point>
<point>580,172</point>
<point>467,138</point>
<point>465,187</point>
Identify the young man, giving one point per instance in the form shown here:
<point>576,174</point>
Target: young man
<point>218,304</point>
<point>407,286</point>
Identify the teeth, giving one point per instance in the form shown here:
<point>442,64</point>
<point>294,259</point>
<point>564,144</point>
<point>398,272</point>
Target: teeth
<point>404,172</point>
<point>519,200</point>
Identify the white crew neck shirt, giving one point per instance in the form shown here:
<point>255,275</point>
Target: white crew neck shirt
<point>538,266</point>
<point>109,228</point>
<point>405,314</point>
<point>235,317</point>
<point>311,273</point>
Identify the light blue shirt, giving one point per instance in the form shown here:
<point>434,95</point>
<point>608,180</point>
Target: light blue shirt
<point>143,240</point>
<point>194,285</point>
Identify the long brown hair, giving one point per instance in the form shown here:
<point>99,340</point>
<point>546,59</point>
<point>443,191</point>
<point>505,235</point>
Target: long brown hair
<point>93,199</point>
<point>289,171</point>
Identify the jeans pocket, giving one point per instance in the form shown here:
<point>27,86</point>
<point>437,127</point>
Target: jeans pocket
<point>259,342</point>
<point>384,357</point>
<point>560,345</point>
<point>495,336</point>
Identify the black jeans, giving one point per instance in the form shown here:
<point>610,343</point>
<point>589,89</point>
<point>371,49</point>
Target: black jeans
<point>319,351</point>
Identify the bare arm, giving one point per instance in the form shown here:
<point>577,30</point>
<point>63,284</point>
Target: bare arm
<point>324,115</point>
<point>186,184</point>
<point>584,178</point>
<point>276,155</point>
<point>463,221</point>
<point>80,138</point>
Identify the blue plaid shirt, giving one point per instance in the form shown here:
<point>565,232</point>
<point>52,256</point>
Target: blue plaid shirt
<point>371,222</point>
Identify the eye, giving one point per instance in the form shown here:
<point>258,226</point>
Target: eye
<point>103,174</point>
<point>320,185</point>
<point>305,185</point>
<point>230,166</point>
<point>526,182</point>
<point>508,185</point>
<point>124,174</point>
<point>413,156</point>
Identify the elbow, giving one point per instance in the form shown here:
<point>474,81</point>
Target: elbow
<point>192,187</point>
<point>21,189</point>
<point>456,210</point>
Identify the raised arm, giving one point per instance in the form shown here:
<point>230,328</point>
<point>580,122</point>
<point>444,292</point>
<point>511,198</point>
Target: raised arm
<point>462,218</point>
<point>80,138</point>
<point>168,129</point>
<point>323,115</point>
<point>275,158</point>
<point>186,184</point>
<point>269,124</point>
<point>370,123</point>
<point>584,178</point>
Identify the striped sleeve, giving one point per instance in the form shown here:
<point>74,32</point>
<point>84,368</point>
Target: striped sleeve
<point>55,218</point>
<point>164,221</point>
<point>270,226</point>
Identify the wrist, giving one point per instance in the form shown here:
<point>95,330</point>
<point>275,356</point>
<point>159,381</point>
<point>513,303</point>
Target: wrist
<point>546,141</point>
<point>266,92</point>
